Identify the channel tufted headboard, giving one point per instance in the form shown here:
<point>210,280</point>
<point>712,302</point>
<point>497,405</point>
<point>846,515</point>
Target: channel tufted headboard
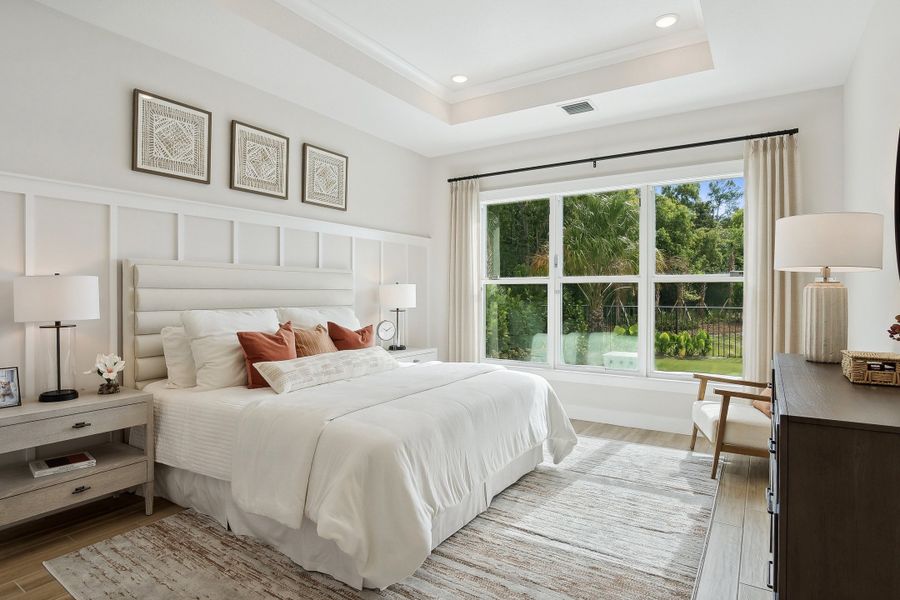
<point>154,293</point>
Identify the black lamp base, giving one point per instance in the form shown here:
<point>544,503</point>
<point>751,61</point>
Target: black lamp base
<point>58,395</point>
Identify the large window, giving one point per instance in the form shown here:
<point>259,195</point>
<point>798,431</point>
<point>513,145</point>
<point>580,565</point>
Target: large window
<point>639,279</point>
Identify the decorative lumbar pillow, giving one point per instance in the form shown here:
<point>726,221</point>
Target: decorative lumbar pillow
<point>292,375</point>
<point>259,346</point>
<point>313,341</point>
<point>307,318</point>
<point>179,359</point>
<point>202,323</point>
<point>219,360</point>
<point>348,339</point>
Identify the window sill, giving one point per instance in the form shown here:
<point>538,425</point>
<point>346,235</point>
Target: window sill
<point>683,383</point>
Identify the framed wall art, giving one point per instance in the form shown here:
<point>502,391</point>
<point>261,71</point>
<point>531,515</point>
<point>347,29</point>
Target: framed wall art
<point>324,177</point>
<point>10,394</point>
<point>170,138</point>
<point>259,161</point>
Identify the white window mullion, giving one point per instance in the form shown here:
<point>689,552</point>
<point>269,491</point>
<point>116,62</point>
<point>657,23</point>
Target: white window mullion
<point>645,286</point>
<point>554,290</point>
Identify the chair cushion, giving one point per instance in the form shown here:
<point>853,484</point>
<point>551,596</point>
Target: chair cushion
<point>747,426</point>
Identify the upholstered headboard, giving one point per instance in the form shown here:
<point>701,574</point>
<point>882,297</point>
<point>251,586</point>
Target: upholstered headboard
<point>155,292</point>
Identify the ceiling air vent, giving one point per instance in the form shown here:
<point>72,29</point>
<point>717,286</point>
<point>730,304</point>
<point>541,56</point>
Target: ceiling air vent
<point>578,107</point>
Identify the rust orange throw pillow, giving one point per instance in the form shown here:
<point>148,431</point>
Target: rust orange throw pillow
<point>260,346</point>
<point>347,339</point>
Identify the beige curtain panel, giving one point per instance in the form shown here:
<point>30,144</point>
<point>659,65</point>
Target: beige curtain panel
<point>772,319</point>
<point>463,338</point>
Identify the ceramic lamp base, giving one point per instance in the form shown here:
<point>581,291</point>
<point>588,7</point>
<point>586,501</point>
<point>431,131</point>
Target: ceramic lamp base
<point>825,321</point>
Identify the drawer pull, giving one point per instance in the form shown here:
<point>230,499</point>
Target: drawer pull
<point>771,446</point>
<point>770,579</point>
<point>81,425</point>
<point>80,489</point>
<point>415,360</point>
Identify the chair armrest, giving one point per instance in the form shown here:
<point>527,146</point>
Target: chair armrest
<point>703,377</point>
<point>737,394</point>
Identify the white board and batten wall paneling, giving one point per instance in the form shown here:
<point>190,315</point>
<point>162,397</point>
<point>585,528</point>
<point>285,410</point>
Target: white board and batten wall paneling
<point>54,226</point>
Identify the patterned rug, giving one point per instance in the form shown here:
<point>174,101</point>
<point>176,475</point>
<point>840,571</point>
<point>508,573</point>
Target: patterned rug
<point>614,521</point>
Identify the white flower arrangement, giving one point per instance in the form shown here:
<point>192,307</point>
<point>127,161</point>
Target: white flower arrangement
<point>108,366</point>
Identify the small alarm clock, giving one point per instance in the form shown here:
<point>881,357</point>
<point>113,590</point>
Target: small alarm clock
<point>386,331</point>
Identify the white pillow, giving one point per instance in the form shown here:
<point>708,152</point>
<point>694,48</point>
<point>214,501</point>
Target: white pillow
<point>292,375</point>
<point>219,360</point>
<point>179,359</point>
<point>202,323</point>
<point>306,318</point>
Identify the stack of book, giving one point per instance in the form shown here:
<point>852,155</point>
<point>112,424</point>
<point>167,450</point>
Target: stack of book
<point>61,464</point>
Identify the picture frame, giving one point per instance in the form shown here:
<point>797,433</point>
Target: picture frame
<point>170,138</point>
<point>324,177</point>
<point>259,161</point>
<point>10,391</point>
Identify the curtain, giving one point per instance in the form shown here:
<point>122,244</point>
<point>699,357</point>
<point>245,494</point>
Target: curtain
<point>772,318</point>
<point>463,335</point>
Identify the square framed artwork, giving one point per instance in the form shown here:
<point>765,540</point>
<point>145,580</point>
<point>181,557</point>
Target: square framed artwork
<point>10,393</point>
<point>324,177</point>
<point>259,161</point>
<point>170,138</point>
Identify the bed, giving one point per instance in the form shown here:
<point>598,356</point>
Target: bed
<point>359,478</point>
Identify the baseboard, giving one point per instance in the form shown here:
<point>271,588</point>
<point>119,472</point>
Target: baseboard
<point>629,419</point>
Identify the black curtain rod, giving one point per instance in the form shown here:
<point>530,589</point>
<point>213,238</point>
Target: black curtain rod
<point>597,159</point>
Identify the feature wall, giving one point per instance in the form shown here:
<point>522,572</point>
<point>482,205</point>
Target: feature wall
<point>72,204</point>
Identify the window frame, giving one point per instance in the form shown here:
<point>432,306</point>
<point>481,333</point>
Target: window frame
<point>646,279</point>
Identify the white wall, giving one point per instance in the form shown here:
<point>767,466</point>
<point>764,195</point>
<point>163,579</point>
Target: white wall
<point>65,115</point>
<point>650,404</point>
<point>871,125</point>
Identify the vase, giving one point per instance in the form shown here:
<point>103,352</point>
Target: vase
<point>110,387</point>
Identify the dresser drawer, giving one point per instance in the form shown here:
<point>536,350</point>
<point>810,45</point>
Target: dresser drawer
<point>58,429</point>
<point>16,508</point>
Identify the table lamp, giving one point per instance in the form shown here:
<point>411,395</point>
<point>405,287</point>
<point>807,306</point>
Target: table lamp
<point>400,296</point>
<point>827,243</point>
<point>57,298</point>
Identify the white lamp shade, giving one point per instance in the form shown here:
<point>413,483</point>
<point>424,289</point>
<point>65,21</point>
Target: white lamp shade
<point>849,241</point>
<point>56,298</point>
<point>398,295</point>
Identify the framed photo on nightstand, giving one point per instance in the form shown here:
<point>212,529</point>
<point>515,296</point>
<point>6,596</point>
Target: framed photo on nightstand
<point>10,394</point>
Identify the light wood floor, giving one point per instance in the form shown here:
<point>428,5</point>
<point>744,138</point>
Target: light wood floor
<point>733,569</point>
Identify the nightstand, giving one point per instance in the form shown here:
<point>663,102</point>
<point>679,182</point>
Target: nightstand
<point>414,355</point>
<point>119,466</point>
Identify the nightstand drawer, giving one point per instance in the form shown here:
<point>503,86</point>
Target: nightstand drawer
<point>16,508</point>
<point>57,429</point>
<point>419,358</point>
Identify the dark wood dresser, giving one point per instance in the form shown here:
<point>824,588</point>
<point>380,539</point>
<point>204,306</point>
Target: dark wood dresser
<point>834,485</point>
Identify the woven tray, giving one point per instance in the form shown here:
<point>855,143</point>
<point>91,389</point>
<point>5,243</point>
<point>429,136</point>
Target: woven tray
<point>876,368</point>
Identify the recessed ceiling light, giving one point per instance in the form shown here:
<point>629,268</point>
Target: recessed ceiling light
<point>668,20</point>
<point>459,79</point>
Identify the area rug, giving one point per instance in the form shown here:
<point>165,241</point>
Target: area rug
<point>614,521</point>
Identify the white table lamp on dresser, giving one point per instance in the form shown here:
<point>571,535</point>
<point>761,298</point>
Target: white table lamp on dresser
<point>398,297</point>
<point>827,243</point>
<point>54,299</point>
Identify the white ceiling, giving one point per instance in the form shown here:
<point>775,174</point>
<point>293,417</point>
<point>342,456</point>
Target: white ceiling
<point>502,44</point>
<point>388,63</point>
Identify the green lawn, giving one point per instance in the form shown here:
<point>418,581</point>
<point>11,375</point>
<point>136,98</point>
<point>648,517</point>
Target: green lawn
<point>716,366</point>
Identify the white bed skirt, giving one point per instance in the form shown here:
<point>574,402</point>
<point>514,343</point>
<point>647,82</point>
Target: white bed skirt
<point>213,497</point>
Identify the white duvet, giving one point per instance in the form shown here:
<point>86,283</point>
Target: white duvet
<point>371,460</point>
